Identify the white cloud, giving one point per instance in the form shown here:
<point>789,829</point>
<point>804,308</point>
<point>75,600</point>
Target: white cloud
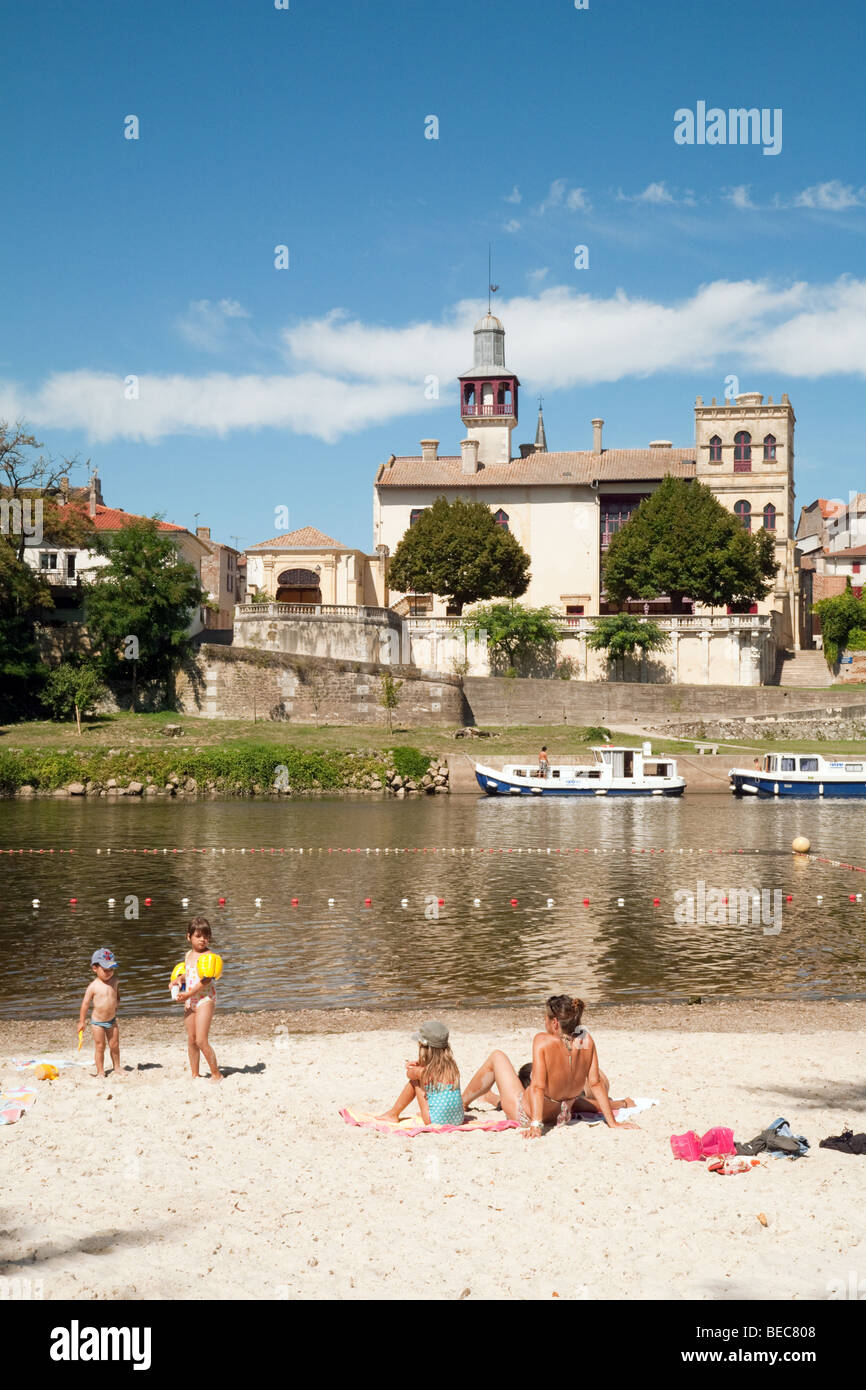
<point>514,196</point>
<point>658,193</point>
<point>560,195</point>
<point>740,196</point>
<point>206,324</point>
<point>535,277</point>
<point>344,375</point>
<point>512,226</point>
<point>831,196</point>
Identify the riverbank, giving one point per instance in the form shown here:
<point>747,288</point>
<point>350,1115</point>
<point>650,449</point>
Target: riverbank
<point>256,1189</point>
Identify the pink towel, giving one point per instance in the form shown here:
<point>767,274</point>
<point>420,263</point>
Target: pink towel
<point>494,1121</point>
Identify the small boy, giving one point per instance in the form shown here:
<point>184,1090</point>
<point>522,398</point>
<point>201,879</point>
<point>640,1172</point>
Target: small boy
<point>104,994</point>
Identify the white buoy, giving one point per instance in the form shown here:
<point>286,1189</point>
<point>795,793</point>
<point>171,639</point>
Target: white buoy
<point>331,902</point>
<point>258,902</point>
<point>801,845</point>
<point>820,898</point>
<point>184,902</point>
<point>404,902</point>
<point>111,902</point>
<point>35,902</point>
<point>476,902</point>
<point>550,902</point>
<point>620,902</point>
<point>99,851</point>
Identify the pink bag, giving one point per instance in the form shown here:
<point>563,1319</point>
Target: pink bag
<point>717,1142</point>
<point>686,1146</point>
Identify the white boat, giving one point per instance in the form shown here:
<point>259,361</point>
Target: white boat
<point>615,771</point>
<point>801,774</point>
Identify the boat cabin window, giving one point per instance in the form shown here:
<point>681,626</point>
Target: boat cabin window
<point>789,764</point>
<point>853,767</point>
<point>808,764</point>
<point>657,769</point>
<point>555,772</point>
<point>769,764</point>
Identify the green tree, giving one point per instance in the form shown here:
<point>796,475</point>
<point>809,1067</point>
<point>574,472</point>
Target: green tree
<point>22,596</point>
<point>516,633</point>
<point>623,634</point>
<point>139,605</point>
<point>389,695</point>
<point>73,690</point>
<point>840,616</point>
<point>682,542</point>
<point>457,551</point>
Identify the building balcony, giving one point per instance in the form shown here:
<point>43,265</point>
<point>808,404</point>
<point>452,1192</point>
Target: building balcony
<point>482,412</point>
<point>58,580</point>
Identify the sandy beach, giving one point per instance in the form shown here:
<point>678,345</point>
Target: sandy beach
<point>161,1187</point>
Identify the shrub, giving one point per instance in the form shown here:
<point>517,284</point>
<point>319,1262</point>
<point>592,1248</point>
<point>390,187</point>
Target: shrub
<point>411,762</point>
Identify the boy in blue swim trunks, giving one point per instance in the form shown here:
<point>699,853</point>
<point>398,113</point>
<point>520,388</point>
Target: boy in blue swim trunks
<point>103,993</point>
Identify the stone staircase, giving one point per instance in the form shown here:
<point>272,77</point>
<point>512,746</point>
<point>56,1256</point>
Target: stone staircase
<point>803,669</point>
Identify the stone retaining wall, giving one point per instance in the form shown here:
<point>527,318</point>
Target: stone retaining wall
<point>498,701</point>
<point>239,683</point>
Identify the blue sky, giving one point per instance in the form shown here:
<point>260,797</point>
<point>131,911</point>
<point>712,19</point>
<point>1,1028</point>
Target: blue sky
<point>261,388</point>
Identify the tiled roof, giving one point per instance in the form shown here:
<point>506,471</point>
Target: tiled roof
<point>854,552</point>
<point>570,468</point>
<point>307,538</point>
<point>114,518</point>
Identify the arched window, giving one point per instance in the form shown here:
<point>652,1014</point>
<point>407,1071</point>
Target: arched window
<point>743,510</point>
<point>298,586</point>
<point>487,398</point>
<point>769,517</point>
<point>468,397</point>
<point>770,446</point>
<point>501,519</point>
<point>742,452</point>
<point>415,513</point>
<point>503,394</point>
<point>715,449</point>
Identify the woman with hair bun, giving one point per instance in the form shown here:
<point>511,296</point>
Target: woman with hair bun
<point>565,1074</point>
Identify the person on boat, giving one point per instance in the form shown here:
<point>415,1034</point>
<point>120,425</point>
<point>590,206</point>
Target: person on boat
<point>565,1074</point>
<point>543,762</point>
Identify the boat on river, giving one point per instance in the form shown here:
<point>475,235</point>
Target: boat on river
<point>801,774</point>
<point>615,771</point>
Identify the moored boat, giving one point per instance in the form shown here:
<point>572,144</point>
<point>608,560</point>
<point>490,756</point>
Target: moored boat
<point>615,771</point>
<point>801,774</point>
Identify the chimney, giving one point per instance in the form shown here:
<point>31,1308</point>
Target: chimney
<point>428,450</point>
<point>64,490</point>
<point>203,533</point>
<point>526,450</point>
<point>469,451</point>
<point>596,436</point>
<point>91,498</point>
<point>661,444</point>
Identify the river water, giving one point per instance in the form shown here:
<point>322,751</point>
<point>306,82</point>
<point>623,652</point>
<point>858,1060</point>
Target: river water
<point>565,863</point>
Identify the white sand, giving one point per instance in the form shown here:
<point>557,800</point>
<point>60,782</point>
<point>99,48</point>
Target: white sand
<point>162,1187</point>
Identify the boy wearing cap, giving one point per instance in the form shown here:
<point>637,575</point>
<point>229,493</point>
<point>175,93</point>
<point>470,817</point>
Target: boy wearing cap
<point>103,993</point>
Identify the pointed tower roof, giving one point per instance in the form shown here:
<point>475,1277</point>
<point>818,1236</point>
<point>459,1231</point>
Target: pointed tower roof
<point>540,436</point>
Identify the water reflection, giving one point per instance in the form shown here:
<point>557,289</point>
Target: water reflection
<point>584,856</point>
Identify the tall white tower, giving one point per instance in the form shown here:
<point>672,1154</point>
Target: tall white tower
<point>488,395</point>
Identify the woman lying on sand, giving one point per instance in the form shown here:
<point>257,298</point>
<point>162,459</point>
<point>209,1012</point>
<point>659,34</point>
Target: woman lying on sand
<point>565,1075</point>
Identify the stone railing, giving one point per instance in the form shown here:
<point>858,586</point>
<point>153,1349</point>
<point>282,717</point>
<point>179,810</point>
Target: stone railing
<point>314,610</point>
<point>725,622</point>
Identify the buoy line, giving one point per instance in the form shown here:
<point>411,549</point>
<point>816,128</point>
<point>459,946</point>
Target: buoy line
<point>425,901</point>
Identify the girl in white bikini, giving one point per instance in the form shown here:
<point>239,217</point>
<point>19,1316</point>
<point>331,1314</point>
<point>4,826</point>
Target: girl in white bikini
<point>199,1000</point>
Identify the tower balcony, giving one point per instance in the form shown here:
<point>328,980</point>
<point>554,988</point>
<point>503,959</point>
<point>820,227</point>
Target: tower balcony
<point>488,409</point>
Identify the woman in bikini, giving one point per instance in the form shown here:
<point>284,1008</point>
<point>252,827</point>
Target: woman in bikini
<point>565,1075</point>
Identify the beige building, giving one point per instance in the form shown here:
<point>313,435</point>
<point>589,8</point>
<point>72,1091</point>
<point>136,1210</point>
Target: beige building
<point>563,507</point>
<point>307,567</point>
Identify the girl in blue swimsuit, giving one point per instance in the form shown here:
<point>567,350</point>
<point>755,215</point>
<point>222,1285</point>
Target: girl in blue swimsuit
<point>434,1080</point>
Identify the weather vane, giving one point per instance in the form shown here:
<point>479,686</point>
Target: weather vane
<point>491,288</point>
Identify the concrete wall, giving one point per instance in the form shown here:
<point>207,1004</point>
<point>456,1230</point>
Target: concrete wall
<point>499,701</point>
<point>229,683</point>
<point>351,635</point>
